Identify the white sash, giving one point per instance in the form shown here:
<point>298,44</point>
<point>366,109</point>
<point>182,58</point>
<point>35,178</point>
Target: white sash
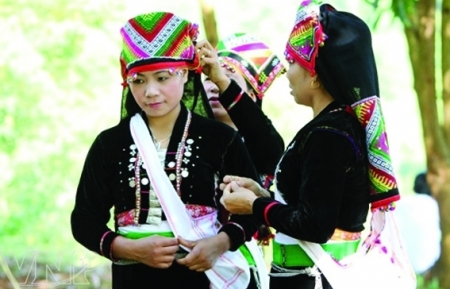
<point>260,263</point>
<point>231,269</point>
<point>359,270</point>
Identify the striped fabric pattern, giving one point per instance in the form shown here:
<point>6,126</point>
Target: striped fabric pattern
<point>306,36</point>
<point>381,172</point>
<point>252,58</point>
<point>158,35</point>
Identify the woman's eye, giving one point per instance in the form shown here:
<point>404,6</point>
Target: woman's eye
<point>162,78</point>
<point>137,81</point>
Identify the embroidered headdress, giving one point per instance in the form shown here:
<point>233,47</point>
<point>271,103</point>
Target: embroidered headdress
<point>253,59</point>
<point>306,36</point>
<point>337,46</point>
<point>161,40</point>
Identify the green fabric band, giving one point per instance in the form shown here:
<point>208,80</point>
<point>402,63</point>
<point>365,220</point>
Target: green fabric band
<point>294,256</point>
<point>138,235</point>
<point>247,255</point>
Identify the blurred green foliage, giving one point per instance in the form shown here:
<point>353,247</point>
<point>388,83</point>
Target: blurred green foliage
<point>49,73</point>
<point>60,85</point>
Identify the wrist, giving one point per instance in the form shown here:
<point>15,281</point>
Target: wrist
<point>250,201</point>
<point>225,241</point>
<point>223,83</point>
<point>123,249</point>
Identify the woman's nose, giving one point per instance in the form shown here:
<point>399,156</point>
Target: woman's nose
<point>151,90</point>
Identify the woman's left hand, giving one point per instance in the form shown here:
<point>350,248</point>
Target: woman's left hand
<point>238,200</point>
<point>205,252</point>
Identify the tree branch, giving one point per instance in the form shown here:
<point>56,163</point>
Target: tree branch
<point>209,21</point>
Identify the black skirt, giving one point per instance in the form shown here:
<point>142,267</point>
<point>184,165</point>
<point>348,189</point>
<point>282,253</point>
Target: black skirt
<point>140,276</point>
<point>301,281</point>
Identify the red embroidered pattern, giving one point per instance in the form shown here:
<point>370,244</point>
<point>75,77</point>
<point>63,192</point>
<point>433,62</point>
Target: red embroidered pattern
<point>195,211</point>
<point>125,218</point>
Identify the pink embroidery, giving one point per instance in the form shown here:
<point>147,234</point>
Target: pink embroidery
<point>126,218</point>
<point>197,211</point>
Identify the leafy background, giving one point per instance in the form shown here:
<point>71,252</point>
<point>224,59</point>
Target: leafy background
<point>60,86</point>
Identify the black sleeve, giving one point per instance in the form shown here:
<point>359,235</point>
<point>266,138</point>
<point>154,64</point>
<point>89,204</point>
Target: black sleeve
<point>93,202</point>
<point>315,216</point>
<point>262,140</point>
<point>240,228</point>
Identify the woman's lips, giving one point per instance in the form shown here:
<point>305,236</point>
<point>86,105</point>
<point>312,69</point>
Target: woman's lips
<point>154,105</point>
<point>214,101</point>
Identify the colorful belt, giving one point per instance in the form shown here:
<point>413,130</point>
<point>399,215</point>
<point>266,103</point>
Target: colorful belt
<point>293,255</point>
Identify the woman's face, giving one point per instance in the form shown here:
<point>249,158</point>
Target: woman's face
<point>300,83</point>
<point>212,91</point>
<point>158,92</point>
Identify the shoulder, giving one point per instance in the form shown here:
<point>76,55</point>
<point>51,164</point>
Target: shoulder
<point>212,127</point>
<point>336,124</point>
<point>336,132</point>
<point>115,135</point>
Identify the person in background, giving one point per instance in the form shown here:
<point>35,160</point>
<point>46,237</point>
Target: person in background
<point>252,68</point>
<point>421,232</point>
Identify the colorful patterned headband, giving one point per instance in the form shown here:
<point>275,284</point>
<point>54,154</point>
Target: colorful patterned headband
<point>252,58</point>
<point>306,36</point>
<point>158,40</point>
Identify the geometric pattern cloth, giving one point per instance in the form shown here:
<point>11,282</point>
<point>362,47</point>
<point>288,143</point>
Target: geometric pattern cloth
<point>381,172</point>
<point>158,36</point>
<point>306,36</point>
<point>252,59</point>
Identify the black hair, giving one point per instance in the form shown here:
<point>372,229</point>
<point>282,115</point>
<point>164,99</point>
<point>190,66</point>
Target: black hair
<point>421,185</point>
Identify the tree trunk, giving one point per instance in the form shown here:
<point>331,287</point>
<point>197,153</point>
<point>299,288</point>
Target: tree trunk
<point>209,21</point>
<point>441,185</point>
<point>421,41</point>
<point>445,36</point>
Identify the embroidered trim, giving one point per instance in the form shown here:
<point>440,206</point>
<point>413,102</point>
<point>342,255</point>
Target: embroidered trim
<point>236,100</point>
<point>180,153</point>
<point>137,192</point>
<point>341,235</point>
<point>266,210</point>
<point>101,242</point>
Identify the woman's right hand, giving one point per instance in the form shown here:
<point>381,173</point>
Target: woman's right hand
<point>209,60</point>
<point>154,251</point>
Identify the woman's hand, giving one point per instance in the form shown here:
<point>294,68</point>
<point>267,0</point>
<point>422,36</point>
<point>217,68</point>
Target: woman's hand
<point>154,251</point>
<point>238,200</point>
<point>245,183</point>
<point>205,252</point>
<point>211,65</point>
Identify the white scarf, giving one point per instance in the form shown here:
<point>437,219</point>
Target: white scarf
<point>231,269</point>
